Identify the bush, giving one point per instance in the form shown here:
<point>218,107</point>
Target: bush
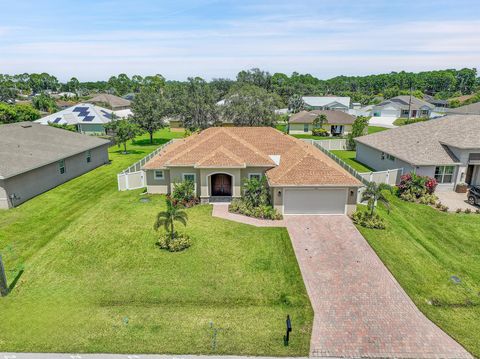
<point>428,199</point>
<point>238,205</point>
<point>458,210</point>
<point>179,243</point>
<point>320,132</point>
<point>184,194</point>
<point>444,208</point>
<point>468,211</point>
<point>367,220</point>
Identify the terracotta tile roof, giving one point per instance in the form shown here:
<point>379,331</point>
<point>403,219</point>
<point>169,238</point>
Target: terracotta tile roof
<point>300,164</point>
<point>333,117</point>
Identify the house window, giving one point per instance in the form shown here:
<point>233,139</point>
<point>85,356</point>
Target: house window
<point>305,127</point>
<point>158,175</point>
<point>424,113</point>
<point>257,176</point>
<point>61,167</point>
<point>89,156</point>
<point>405,113</point>
<point>444,174</point>
<point>382,156</point>
<point>390,157</point>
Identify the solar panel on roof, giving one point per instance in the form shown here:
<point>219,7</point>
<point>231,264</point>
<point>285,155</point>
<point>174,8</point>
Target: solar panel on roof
<point>88,118</point>
<point>57,120</point>
<point>80,109</point>
<point>106,114</point>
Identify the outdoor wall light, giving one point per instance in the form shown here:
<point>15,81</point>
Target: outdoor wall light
<point>279,193</point>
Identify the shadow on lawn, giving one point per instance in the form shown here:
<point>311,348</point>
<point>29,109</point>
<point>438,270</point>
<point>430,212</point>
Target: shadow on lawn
<point>146,142</point>
<point>15,281</point>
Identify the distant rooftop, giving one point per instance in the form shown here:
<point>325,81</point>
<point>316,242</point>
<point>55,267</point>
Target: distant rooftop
<point>321,101</point>
<point>114,102</point>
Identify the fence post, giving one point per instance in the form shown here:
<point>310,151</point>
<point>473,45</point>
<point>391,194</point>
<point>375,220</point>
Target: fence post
<point>3,279</point>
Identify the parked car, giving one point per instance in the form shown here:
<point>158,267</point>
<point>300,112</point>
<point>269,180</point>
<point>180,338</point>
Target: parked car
<point>474,195</point>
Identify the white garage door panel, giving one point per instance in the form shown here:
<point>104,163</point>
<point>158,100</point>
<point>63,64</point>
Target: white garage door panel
<point>315,201</point>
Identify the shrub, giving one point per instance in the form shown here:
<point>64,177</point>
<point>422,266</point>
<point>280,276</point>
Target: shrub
<point>367,220</point>
<point>179,243</point>
<point>414,188</point>
<point>444,208</point>
<point>477,211</point>
<point>468,211</point>
<point>184,194</point>
<point>238,205</point>
<point>256,192</point>
<point>438,204</point>
<point>320,132</point>
<point>428,199</point>
<point>458,210</point>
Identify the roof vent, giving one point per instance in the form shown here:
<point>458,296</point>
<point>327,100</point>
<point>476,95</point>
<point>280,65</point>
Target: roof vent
<point>276,159</point>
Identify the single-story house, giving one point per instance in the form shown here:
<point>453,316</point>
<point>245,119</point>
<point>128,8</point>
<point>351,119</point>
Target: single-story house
<point>302,179</point>
<point>35,158</point>
<point>338,123</point>
<point>402,106</point>
<point>87,118</point>
<point>447,148</point>
<point>111,101</point>
<point>472,109</point>
<point>335,103</point>
<point>438,103</point>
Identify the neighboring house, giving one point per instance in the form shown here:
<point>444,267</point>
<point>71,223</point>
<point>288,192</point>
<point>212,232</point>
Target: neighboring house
<point>440,105</point>
<point>447,148</point>
<point>334,103</point>
<point>87,118</point>
<point>302,179</point>
<point>111,101</point>
<point>338,123</point>
<point>472,109</point>
<point>36,158</point>
<point>403,107</point>
<point>365,111</point>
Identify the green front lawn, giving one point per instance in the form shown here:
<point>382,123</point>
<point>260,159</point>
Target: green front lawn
<point>423,248</point>
<point>94,280</point>
<point>349,158</point>
<point>374,129</point>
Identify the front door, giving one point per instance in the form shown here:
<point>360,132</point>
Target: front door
<point>221,185</point>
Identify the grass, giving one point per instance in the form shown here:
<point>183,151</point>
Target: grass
<point>94,280</point>
<point>375,129</point>
<point>423,248</point>
<point>349,158</point>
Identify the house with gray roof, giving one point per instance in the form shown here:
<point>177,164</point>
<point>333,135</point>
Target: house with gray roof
<point>403,107</point>
<point>111,101</point>
<point>87,118</point>
<point>446,148</point>
<point>334,103</point>
<point>338,123</point>
<point>35,158</point>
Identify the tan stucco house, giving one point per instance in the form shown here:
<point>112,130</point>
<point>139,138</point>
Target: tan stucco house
<point>302,179</point>
<point>446,148</point>
<point>338,123</point>
<point>35,158</point>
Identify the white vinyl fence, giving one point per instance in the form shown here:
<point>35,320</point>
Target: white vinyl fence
<point>390,177</point>
<point>134,177</point>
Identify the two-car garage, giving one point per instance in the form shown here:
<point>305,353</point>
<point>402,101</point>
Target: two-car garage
<point>315,200</point>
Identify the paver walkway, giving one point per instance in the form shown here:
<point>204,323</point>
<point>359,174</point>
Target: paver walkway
<point>221,210</point>
<point>360,309</point>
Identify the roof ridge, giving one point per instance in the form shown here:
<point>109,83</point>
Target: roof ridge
<point>248,145</point>
<point>195,145</point>
<point>223,150</point>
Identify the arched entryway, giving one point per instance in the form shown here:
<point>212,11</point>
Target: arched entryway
<point>221,185</point>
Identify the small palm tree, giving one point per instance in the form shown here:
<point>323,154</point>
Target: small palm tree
<point>168,218</point>
<point>374,193</point>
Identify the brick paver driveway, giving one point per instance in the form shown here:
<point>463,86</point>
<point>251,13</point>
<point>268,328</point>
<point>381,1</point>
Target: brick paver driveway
<point>360,309</point>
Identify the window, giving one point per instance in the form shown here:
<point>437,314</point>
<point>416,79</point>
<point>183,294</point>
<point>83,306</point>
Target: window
<point>383,156</point>
<point>424,113</point>
<point>390,157</point>
<point>61,167</point>
<point>444,174</point>
<point>257,176</point>
<point>158,175</point>
<point>305,127</point>
<point>405,113</point>
<point>89,156</point>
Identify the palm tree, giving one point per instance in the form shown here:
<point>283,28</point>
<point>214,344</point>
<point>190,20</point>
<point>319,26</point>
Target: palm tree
<point>168,218</point>
<point>374,193</point>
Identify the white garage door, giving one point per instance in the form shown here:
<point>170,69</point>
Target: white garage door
<point>314,201</point>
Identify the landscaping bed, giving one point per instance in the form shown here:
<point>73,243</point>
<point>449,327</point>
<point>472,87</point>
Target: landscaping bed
<point>95,280</point>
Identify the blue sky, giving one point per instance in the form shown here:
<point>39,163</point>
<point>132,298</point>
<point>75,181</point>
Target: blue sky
<point>93,40</point>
